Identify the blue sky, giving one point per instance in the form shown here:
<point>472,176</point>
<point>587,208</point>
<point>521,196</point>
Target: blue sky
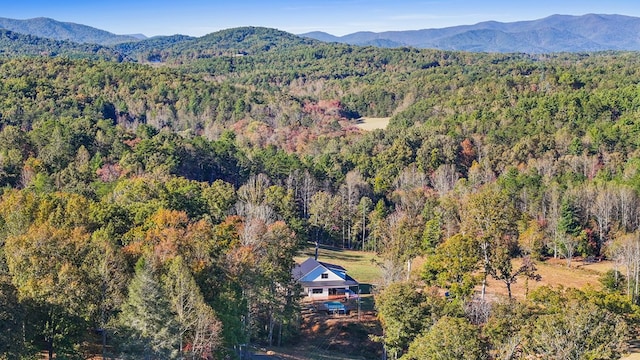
<point>338,17</point>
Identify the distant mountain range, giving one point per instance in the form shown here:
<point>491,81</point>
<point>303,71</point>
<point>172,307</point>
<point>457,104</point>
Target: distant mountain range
<point>556,33</point>
<point>56,30</point>
<point>16,44</point>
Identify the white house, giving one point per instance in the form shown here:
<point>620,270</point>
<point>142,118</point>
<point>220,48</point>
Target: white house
<point>322,280</point>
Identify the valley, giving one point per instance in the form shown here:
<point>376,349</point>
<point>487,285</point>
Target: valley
<point>156,194</point>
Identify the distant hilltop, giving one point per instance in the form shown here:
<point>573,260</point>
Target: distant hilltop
<point>556,33</point>
<point>57,30</point>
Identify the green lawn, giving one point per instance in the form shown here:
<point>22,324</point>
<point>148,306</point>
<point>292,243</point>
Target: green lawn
<point>362,266</point>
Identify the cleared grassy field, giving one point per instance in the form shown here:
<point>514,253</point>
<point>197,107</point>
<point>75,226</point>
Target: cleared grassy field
<point>361,265</point>
<point>369,124</point>
<point>554,272</point>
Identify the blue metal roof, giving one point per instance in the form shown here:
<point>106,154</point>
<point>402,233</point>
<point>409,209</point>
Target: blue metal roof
<point>307,266</point>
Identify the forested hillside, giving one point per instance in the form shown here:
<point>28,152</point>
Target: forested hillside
<point>17,44</point>
<point>160,205</point>
<point>57,30</point>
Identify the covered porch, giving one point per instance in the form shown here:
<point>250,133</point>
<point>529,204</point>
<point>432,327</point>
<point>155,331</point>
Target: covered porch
<point>330,290</point>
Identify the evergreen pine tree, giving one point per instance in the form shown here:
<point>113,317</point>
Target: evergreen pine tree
<point>148,327</point>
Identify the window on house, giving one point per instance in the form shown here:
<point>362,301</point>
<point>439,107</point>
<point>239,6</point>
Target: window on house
<point>325,276</point>
<point>316,291</point>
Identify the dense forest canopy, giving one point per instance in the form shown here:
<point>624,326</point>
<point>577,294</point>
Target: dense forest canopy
<point>182,185</point>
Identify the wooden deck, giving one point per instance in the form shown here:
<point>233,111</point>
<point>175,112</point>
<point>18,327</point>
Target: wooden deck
<point>342,298</point>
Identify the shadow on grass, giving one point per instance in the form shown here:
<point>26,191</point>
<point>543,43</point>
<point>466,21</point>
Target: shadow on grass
<point>334,253</point>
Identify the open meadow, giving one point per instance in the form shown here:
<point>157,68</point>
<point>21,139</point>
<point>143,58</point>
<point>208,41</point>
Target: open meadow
<point>363,266</point>
<point>555,273</point>
<point>369,123</point>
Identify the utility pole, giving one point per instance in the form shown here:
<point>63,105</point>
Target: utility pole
<point>359,300</point>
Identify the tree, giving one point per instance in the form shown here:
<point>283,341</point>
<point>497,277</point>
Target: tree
<point>480,173</point>
<point>613,281</point>
<point>628,208</point>
<point>376,222</point>
<point>444,178</point>
<point>221,282</point>
<point>364,207</point>
<point>252,200</point>
<point>308,187</point>
<point>502,268</point>
<point>57,151</point>
<point>260,263</point>
<point>404,312</point>
<point>625,251</point>
<point>278,299</point>
<point>185,195</point>
<point>47,267</point>
<point>163,236</point>
<point>107,267</point>
<point>410,178</point>
<point>507,326</point>
<point>490,216</point>
<point>449,338</point>
<point>401,239</point>
<point>219,197</point>
<point>448,210</point>
<point>12,318</point>
<point>432,234</point>
<point>531,239</point>
<point>254,190</point>
<point>605,207</point>
<point>569,229</point>
<point>282,202</point>
<point>553,198</point>
<point>196,322</point>
<point>324,215</point>
<point>580,331</point>
<point>452,266</point>
<point>568,245</point>
<point>147,325</point>
<point>350,193</point>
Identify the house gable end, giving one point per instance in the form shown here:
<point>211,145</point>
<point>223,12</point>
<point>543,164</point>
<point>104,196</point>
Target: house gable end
<point>316,275</point>
<point>341,274</point>
<point>338,270</point>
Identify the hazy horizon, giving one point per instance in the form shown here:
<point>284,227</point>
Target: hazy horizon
<point>336,17</point>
